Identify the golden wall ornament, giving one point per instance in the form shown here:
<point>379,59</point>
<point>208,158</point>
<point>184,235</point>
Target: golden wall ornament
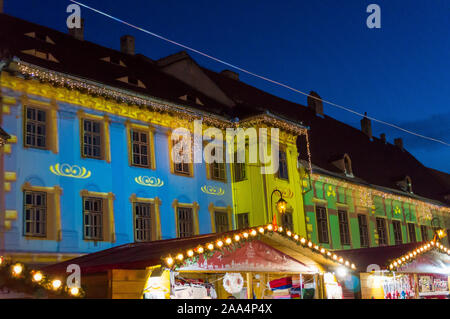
<point>67,170</point>
<point>149,181</point>
<point>212,190</point>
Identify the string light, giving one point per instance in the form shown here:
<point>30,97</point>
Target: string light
<point>74,291</point>
<point>170,262</point>
<point>34,278</point>
<point>410,256</point>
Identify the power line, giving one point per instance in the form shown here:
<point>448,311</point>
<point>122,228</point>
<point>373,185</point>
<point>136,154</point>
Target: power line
<point>257,75</point>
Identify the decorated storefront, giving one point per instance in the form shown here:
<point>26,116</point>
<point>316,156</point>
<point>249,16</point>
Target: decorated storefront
<point>409,271</point>
<point>265,262</point>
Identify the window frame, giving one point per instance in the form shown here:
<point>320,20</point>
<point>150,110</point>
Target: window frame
<point>108,225</point>
<point>283,163</point>
<point>424,229</point>
<point>51,123</point>
<point>105,142</point>
<point>240,216</point>
<point>320,223</point>
<point>344,228</point>
<point>156,202</point>
<point>53,211</point>
<point>398,233</point>
<point>149,130</point>
<point>366,228</point>
<point>92,214</point>
<point>172,164</point>
<point>212,211</point>
<point>33,207</point>
<point>413,230</point>
<point>384,232</point>
<point>289,225</point>
<point>195,208</point>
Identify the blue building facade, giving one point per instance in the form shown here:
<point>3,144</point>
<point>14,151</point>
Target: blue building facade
<point>62,171</point>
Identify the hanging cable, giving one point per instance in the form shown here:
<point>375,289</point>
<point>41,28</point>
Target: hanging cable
<point>259,76</point>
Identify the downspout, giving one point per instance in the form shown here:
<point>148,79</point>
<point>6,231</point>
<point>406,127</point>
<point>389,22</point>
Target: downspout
<point>3,65</point>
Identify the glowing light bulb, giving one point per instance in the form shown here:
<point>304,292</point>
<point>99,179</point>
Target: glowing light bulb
<point>37,277</point>
<point>237,238</point>
<point>269,227</point>
<point>228,241</point>
<point>74,291</point>
<point>180,257</point>
<point>190,253</point>
<point>245,235</point>
<point>210,246</point>
<point>56,284</point>
<point>169,261</point>
<point>17,269</point>
<point>220,243</point>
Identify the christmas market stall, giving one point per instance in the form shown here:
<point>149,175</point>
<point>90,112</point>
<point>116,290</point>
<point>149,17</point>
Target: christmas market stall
<point>408,271</point>
<point>265,262</point>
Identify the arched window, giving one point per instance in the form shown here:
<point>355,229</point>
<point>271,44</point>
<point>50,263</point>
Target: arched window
<point>347,165</point>
<point>408,184</point>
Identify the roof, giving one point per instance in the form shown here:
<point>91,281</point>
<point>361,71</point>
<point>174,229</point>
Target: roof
<point>373,161</point>
<point>90,61</point>
<point>147,254</point>
<point>367,258</point>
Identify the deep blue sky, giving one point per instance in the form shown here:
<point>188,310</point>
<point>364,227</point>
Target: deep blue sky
<point>399,73</point>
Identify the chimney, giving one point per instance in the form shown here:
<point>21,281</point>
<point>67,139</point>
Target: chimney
<point>366,126</point>
<point>383,138</point>
<point>315,102</point>
<point>230,74</point>
<point>399,143</point>
<point>77,33</point>
<point>127,44</point>
<point>1,6</point>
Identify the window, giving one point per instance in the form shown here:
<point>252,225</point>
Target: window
<point>412,232</point>
<point>424,232</point>
<point>283,168</point>
<point>243,221</point>
<point>397,232</point>
<point>343,227</point>
<point>363,230</point>
<point>185,222</point>
<point>216,170</point>
<point>408,184</point>
<point>140,155</point>
<point>322,224</point>
<point>92,139</point>
<point>240,173</point>
<point>93,218</point>
<point>35,128</point>
<point>381,229</point>
<point>143,221</point>
<point>286,220</point>
<point>221,220</point>
<point>347,165</point>
<point>183,167</point>
<point>35,218</point>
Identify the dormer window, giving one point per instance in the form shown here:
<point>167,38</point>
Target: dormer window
<point>40,36</point>
<point>114,60</point>
<point>345,165</point>
<point>41,54</point>
<point>132,81</point>
<point>191,98</point>
<point>405,184</point>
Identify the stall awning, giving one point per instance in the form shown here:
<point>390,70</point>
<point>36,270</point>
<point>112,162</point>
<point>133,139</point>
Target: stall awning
<point>422,257</point>
<point>262,248</point>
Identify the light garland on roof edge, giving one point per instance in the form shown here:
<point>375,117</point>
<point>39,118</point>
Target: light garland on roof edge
<point>19,274</point>
<point>178,259</point>
<point>413,254</point>
<point>367,194</point>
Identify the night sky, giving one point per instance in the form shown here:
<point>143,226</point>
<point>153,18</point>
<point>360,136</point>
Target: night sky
<point>399,73</point>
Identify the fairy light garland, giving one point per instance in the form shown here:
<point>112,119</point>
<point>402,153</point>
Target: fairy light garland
<point>367,194</point>
<point>415,253</point>
<point>179,258</point>
<point>16,272</point>
<point>61,80</point>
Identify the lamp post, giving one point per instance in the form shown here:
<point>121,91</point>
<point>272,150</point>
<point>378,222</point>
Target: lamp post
<point>281,205</point>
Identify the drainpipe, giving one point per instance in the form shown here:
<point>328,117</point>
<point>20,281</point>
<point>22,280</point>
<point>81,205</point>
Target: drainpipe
<point>3,64</point>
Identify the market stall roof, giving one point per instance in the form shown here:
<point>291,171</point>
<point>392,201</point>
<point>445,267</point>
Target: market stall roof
<point>300,253</point>
<point>421,257</point>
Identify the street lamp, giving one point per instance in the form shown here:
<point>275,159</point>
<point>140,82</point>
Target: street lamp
<point>281,204</point>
